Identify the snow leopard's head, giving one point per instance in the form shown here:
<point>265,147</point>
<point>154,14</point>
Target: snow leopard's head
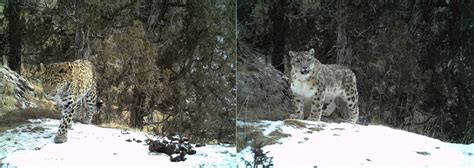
<point>303,63</point>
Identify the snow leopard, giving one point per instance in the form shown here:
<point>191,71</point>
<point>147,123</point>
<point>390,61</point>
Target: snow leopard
<point>319,84</point>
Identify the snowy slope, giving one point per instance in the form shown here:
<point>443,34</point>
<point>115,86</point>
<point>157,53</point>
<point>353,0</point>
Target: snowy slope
<point>330,145</point>
<point>31,145</point>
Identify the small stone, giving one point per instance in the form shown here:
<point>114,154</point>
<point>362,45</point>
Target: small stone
<point>128,140</point>
<point>148,141</point>
<point>175,158</point>
<point>138,141</point>
<point>368,159</point>
<point>38,129</point>
<point>191,151</point>
<point>175,138</point>
<point>423,153</point>
<point>186,139</point>
<point>176,149</point>
<point>156,146</point>
<point>170,149</point>
<point>182,156</point>
<point>200,145</point>
<point>181,147</point>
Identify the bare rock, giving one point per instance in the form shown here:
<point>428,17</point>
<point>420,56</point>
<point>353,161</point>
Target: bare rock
<point>177,147</point>
<point>15,86</point>
<point>264,92</point>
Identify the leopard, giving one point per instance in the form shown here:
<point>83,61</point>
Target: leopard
<point>322,85</point>
<point>71,85</point>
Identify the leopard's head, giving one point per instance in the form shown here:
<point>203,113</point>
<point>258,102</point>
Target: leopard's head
<point>53,79</point>
<point>303,63</point>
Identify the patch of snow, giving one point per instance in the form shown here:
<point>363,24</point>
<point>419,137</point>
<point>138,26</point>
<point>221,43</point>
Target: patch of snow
<point>266,127</point>
<point>349,145</point>
<point>92,146</point>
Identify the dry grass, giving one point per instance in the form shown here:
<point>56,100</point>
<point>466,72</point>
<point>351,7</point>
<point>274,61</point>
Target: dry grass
<point>7,102</point>
<point>20,116</point>
<point>254,134</point>
<point>317,129</point>
<point>295,123</point>
<point>279,134</point>
<point>122,123</point>
<point>274,136</point>
<point>245,139</point>
<point>118,125</point>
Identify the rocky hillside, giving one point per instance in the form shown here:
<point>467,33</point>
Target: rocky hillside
<point>21,100</point>
<point>15,91</point>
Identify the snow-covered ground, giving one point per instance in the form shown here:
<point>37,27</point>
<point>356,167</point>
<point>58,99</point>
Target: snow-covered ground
<point>329,145</point>
<point>301,144</point>
<point>31,145</point>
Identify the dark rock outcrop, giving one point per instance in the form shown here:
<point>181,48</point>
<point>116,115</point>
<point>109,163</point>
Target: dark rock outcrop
<point>177,147</point>
<point>263,92</point>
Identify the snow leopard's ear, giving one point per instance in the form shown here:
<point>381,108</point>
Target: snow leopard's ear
<point>292,53</point>
<point>311,51</point>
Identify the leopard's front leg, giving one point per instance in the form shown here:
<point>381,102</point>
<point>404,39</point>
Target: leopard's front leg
<point>316,106</point>
<point>299,106</point>
<point>66,121</point>
<point>61,136</point>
